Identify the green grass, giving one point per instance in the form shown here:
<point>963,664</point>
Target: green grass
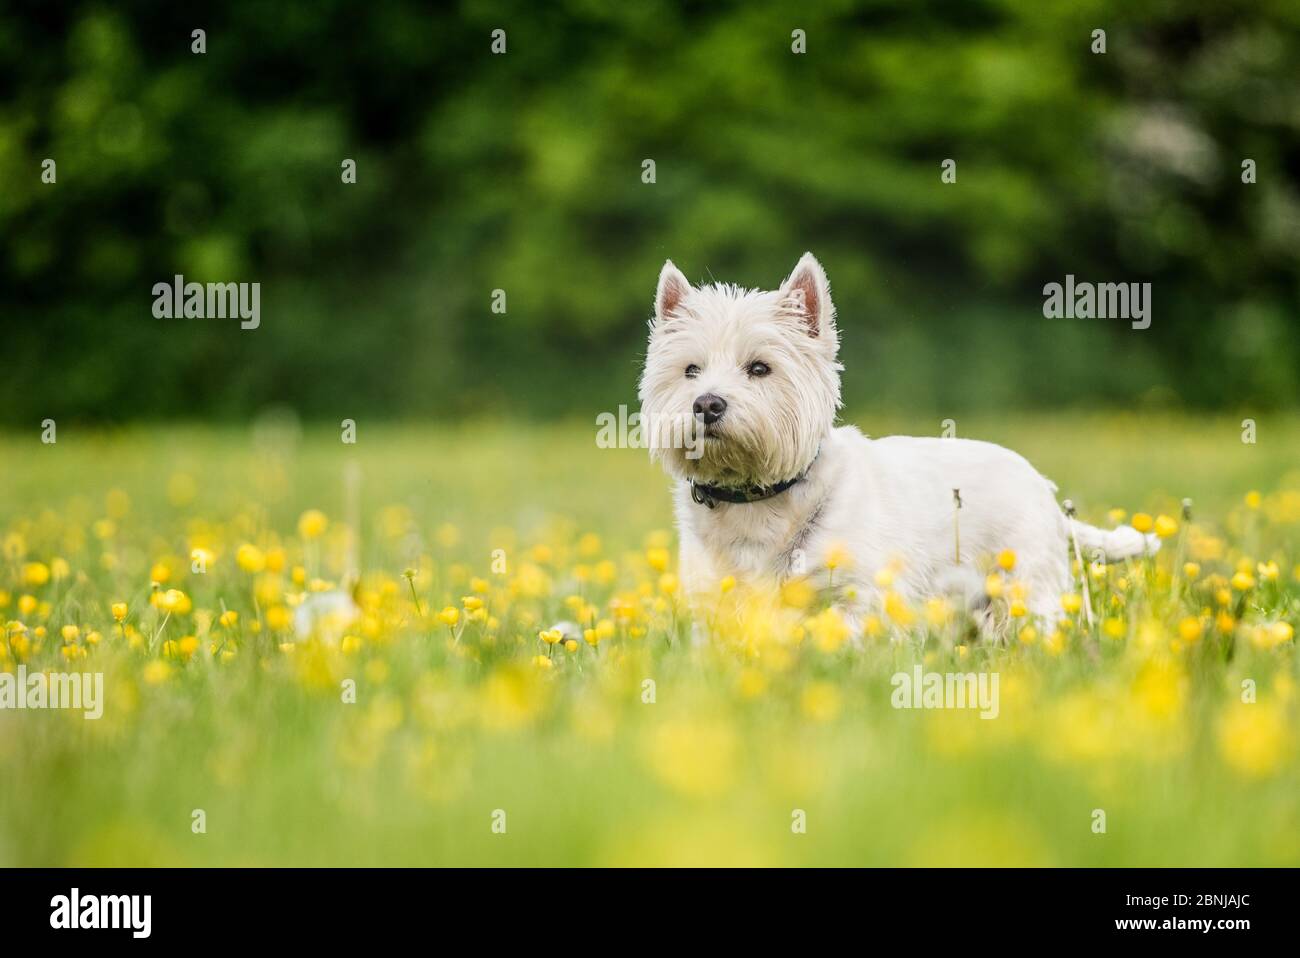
<point>740,734</point>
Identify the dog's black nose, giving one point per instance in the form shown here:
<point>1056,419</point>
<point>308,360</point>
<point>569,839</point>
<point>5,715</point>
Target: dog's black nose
<point>710,407</point>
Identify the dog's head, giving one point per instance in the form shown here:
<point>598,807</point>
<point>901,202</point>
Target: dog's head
<point>741,386</point>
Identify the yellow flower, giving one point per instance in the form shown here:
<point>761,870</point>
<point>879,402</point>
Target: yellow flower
<point>938,612</point>
<point>36,574</point>
<point>829,630</point>
<point>1191,570</point>
<point>1018,609</point>
<point>472,603</point>
<point>896,608</point>
<point>156,672</point>
<point>1269,571</point>
<point>1165,526</point>
<point>160,573</point>
<point>27,604</point>
<point>993,585</point>
<point>542,662</point>
<point>658,558</point>
<point>1271,635</point>
<point>70,633</point>
<point>449,616</point>
<point>668,583</point>
<point>1253,499</point>
<point>727,584</point>
<point>312,524</point>
<point>1142,522</point>
<point>119,611</point>
<point>550,636</point>
<point>837,557</point>
<point>229,618</point>
<point>798,593</point>
<point>1114,628</point>
<point>174,600</point>
<point>1243,581</point>
<point>1190,629</point>
<point>1117,516</point>
<point>1071,602</point>
<point>250,558</point>
<point>15,547</point>
<point>1007,559</point>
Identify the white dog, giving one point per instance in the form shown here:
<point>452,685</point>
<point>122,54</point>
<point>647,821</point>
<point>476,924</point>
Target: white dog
<point>769,487</point>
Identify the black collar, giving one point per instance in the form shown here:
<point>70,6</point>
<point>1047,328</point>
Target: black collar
<point>711,495</point>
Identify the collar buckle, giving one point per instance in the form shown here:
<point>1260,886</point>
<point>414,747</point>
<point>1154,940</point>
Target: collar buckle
<point>701,497</point>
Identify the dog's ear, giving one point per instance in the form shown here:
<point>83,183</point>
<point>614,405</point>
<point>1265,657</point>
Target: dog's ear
<point>808,293</point>
<point>673,288</point>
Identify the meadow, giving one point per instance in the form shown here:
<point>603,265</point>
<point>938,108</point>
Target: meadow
<point>446,721</point>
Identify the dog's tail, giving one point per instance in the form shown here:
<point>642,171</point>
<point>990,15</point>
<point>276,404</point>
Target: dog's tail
<point>1122,542</point>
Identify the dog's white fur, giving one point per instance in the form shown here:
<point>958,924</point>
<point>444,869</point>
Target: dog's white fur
<point>884,502</point>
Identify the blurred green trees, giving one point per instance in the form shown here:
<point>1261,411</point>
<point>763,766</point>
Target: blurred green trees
<point>523,172</point>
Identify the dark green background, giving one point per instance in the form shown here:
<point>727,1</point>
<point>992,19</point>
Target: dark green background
<point>523,172</point>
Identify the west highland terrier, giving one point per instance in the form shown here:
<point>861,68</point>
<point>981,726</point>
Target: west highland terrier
<point>767,488</point>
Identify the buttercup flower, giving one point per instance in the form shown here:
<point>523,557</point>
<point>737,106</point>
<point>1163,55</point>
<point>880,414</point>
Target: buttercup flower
<point>312,524</point>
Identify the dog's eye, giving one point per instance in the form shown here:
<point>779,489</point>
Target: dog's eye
<point>758,368</point>
<point>692,371</point>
